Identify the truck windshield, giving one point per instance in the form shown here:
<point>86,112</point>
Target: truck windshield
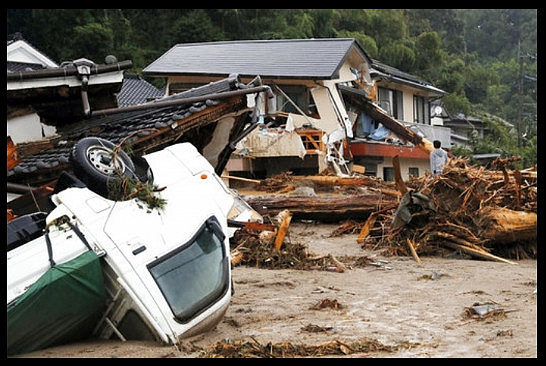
<point>194,276</point>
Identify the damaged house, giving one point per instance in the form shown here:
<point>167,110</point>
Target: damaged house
<point>320,115</point>
<point>42,94</point>
<point>80,98</point>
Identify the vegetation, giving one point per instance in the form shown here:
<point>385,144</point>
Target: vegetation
<point>485,58</point>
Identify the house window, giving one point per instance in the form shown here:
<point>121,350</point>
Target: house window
<point>391,101</point>
<point>297,94</point>
<point>421,112</point>
<point>388,174</point>
<point>413,172</point>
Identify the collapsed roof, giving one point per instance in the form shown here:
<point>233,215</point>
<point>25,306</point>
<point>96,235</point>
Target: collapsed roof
<point>189,116</point>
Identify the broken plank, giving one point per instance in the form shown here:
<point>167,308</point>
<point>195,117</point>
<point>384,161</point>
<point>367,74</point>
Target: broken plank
<point>370,222</point>
<point>477,253</point>
<point>283,218</point>
<point>400,185</point>
<point>366,228</point>
<point>413,252</point>
<point>256,181</point>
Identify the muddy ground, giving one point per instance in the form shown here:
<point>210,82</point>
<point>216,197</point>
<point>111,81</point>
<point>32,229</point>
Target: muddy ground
<point>391,307</point>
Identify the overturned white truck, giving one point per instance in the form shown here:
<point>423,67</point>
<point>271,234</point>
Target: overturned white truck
<point>120,268</point>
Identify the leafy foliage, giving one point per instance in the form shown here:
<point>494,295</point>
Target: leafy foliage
<point>485,58</point>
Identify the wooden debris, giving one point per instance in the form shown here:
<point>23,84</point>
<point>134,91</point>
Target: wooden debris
<point>326,303</point>
<point>474,212</point>
<point>502,225</point>
<point>484,311</point>
<point>254,349</point>
<point>370,222</point>
<point>257,248</point>
<point>283,218</point>
<point>248,180</point>
<point>13,156</point>
<point>413,252</point>
<point>338,266</point>
<point>312,328</point>
<point>477,253</point>
<point>321,207</point>
<point>347,227</point>
<point>400,185</point>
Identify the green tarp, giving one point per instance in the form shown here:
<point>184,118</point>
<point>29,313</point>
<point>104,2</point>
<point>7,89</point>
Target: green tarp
<point>63,306</point>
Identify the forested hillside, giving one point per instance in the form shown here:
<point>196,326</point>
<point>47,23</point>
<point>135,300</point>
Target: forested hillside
<point>485,58</point>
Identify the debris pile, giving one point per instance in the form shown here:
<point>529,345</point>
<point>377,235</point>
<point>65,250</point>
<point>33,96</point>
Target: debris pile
<point>255,248</point>
<point>483,213</point>
<point>253,349</point>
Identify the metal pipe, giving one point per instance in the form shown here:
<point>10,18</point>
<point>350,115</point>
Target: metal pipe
<point>67,71</point>
<point>19,188</point>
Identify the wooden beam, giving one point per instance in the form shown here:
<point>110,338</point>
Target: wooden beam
<point>283,218</point>
<point>398,176</point>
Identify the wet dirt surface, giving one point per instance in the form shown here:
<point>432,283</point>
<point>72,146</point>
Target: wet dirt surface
<point>419,311</point>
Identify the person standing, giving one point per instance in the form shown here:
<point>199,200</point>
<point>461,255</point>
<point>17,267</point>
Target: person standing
<point>438,158</point>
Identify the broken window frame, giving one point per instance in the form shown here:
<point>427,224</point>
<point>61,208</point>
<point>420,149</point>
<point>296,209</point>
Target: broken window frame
<point>421,109</point>
<point>391,100</point>
<point>298,94</point>
<point>413,171</point>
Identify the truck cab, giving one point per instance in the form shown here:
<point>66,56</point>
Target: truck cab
<point>165,270</point>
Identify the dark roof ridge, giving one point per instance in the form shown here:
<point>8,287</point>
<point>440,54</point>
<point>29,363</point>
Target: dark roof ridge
<point>267,41</point>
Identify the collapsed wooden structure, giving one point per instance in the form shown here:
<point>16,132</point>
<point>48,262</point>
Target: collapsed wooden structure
<point>484,213</point>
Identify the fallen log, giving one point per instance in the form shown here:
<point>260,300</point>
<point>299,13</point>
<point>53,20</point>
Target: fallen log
<point>328,180</point>
<point>503,225</point>
<point>320,207</point>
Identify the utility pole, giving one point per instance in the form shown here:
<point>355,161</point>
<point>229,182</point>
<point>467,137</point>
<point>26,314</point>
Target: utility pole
<point>520,94</point>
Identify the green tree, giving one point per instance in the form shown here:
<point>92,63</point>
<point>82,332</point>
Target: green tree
<point>386,25</point>
<point>365,41</point>
<point>447,23</point>
<point>429,55</point>
<point>478,79</point>
<point>324,22</point>
<point>94,40</point>
<point>398,55</point>
<point>450,76</point>
<point>456,103</point>
<point>194,26</point>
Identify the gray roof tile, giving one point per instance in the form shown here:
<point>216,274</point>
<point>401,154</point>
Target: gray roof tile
<point>301,58</point>
<point>116,127</point>
<point>135,90</point>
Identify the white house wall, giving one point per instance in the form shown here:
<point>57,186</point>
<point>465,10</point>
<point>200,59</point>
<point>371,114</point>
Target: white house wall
<point>328,121</point>
<point>422,164</point>
<point>272,142</point>
<point>20,51</point>
<point>28,128</point>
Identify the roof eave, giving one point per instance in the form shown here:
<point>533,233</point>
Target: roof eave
<point>167,74</point>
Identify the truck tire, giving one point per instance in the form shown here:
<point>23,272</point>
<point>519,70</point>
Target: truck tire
<point>93,163</point>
